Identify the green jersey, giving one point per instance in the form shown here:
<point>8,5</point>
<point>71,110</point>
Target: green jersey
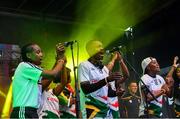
<point>25,85</point>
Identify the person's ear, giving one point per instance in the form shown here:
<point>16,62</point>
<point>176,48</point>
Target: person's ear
<point>28,55</point>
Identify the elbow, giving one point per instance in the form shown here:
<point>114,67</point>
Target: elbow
<point>127,75</point>
<point>85,91</point>
<point>84,88</point>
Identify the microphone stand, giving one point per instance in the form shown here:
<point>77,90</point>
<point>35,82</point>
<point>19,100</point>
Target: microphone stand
<point>145,88</point>
<point>76,85</point>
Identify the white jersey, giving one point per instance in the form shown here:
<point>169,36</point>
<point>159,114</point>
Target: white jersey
<point>88,72</point>
<point>154,85</point>
<point>50,105</point>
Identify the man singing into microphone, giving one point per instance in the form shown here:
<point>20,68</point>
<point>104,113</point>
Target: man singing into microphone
<point>94,79</point>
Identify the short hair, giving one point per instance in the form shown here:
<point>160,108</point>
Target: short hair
<point>133,81</point>
<point>26,49</point>
<point>89,45</point>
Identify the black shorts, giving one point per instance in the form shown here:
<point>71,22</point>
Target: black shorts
<point>24,112</point>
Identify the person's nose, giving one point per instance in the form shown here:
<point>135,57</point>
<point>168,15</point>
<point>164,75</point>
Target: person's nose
<point>41,54</point>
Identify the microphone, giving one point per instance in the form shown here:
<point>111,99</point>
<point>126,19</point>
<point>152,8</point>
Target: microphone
<point>114,49</point>
<point>66,44</point>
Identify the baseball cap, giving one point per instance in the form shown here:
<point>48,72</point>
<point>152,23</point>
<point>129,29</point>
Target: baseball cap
<point>145,63</point>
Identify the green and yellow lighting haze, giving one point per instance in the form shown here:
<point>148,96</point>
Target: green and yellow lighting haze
<point>102,19</point>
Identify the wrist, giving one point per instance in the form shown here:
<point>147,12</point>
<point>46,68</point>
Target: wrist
<point>61,61</point>
<point>120,60</point>
<point>59,56</point>
<point>111,63</point>
<point>174,66</point>
<point>113,60</point>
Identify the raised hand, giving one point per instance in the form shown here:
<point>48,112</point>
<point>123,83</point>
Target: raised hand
<point>116,56</point>
<point>175,64</point>
<point>60,50</point>
<point>119,56</point>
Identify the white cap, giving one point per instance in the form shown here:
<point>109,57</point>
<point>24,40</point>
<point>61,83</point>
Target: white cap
<point>145,63</point>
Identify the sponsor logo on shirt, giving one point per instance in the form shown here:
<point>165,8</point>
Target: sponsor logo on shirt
<point>52,99</point>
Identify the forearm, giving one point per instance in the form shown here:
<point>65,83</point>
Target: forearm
<point>170,73</point>
<point>124,68</point>
<point>54,72</point>
<point>89,88</point>
<point>64,76</point>
<point>63,81</point>
<point>46,83</point>
<point>58,89</point>
<point>173,67</point>
<point>110,65</point>
<point>156,95</point>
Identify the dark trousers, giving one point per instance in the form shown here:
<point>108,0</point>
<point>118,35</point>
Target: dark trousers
<point>24,112</point>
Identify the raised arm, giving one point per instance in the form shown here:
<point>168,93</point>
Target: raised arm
<point>173,67</point>
<point>60,87</point>
<point>124,68</point>
<point>59,64</point>
<point>118,58</point>
<point>88,87</point>
<point>169,78</point>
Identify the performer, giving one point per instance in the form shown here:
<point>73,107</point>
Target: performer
<point>156,84</point>
<point>26,92</point>
<point>94,78</point>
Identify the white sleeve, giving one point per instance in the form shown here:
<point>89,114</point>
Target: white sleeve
<point>145,79</point>
<point>83,73</point>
